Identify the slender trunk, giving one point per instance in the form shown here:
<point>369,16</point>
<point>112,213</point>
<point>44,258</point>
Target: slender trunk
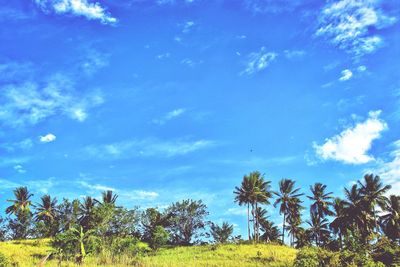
<point>283,228</point>
<point>340,240</point>
<point>256,224</point>
<point>248,219</point>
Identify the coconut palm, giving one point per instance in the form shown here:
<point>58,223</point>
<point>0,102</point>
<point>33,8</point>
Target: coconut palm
<point>108,198</point>
<point>318,228</point>
<point>373,192</point>
<point>242,197</point>
<point>321,200</point>
<point>390,221</point>
<point>294,217</point>
<point>341,222</point>
<point>86,212</point>
<point>286,194</point>
<point>21,203</point>
<point>47,212</point>
<point>254,190</point>
<point>270,231</point>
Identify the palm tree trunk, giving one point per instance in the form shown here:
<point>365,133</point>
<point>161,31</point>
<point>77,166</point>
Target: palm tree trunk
<point>283,228</point>
<point>256,224</point>
<point>248,219</point>
<point>340,240</point>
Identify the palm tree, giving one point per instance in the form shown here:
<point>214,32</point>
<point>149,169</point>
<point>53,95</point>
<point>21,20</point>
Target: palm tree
<point>373,193</point>
<point>390,221</point>
<point>271,231</point>
<point>285,195</point>
<point>261,195</point>
<point>108,198</point>
<point>318,228</point>
<point>321,200</point>
<point>47,212</point>
<point>341,222</point>
<point>242,197</point>
<point>21,203</point>
<point>254,190</point>
<point>86,210</point>
<point>294,217</point>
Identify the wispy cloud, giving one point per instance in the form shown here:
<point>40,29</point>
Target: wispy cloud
<point>18,168</point>
<point>346,75</point>
<point>122,193</point>
<point>293,54</point>
<point>30,102</point>
<point>351,25</point>
<point>81,8</point>
<point>146,148</point>
<point>47,138</point>
<point>352,144</point>
<point>258,61</point>
<point>173,114</point>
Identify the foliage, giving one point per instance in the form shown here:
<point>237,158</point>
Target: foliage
<point>387,252</point>
<point>221,233</point>
<point>3,260</point>
<point>159,237</point>
<point>187,219</point>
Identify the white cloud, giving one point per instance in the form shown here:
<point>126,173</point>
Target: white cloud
<point>164,56</point>
<point>187,26</point>
<point>352,144</point>
<point>170,116</point>
<point>351,25</point>
<point>47,138</point>
<point>346,75</point>
<point>91,11</point>
<point>239,211</point>
<point>272,6</point>
<point>258,61</point>
<point>146,148</point>
<point>19,169</point>
<point>361,68</point>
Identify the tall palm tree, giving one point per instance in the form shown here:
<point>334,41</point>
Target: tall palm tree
<point>261,195</point>
<point>373,192</point>
<point>271,231</point>
<point>390,220</point>
<point>341,222</point>
<point>21,203</point>
<point>47,212</point>
<point>357,213</point>
<point>321,200</point>
<point>294,218</point>
<point>242,197</point>
<point>285,196</point>
<point>254,190</point>
<point>318,228</point>
<point>86,210</point>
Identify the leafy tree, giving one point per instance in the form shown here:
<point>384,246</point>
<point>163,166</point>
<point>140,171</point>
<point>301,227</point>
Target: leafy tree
<point>340,222</point>
<point>68,213</point>
<point>286,195</point>
<point>159,237</point>
<point>221,233</point>
<point>87,213</point>
<point>150,219</point>
<point>242,197</point>
<point>187,220</point>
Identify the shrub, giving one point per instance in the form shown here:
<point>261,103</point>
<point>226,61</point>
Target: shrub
<point>159,238</point>
<point>386,252</point>
<point>318,257</point>
<point>3,260</point>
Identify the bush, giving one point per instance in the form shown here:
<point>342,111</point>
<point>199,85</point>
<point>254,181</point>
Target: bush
<point>3,260</point>
<point>318,257</point>
<point>159,238</point>
<point>386,252</point>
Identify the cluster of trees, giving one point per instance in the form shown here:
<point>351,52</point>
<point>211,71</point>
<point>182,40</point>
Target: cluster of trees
<point>79,226</point>
<point>363,216</point>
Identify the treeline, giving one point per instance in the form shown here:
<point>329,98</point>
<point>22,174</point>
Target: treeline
<point>365,224</point>
<point>364,218</point>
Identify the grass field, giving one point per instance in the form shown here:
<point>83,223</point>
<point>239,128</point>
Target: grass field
<point>30,252</point>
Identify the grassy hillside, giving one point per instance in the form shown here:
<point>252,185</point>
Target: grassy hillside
<point>30,252</point>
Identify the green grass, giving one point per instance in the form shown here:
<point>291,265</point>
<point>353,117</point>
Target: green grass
<point>30,252</point>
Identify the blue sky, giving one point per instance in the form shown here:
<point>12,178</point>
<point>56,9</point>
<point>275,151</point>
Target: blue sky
<point>165,100</point>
